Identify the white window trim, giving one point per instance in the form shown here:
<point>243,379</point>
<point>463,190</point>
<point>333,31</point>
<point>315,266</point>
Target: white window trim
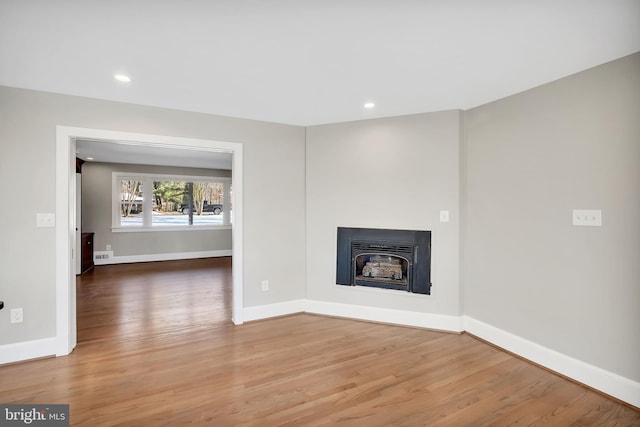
<point>147,179</point>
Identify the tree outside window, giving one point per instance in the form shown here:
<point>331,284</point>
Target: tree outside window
<point>171,202</point>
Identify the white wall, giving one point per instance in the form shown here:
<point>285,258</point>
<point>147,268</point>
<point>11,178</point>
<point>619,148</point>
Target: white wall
<point>274,230</point>
<point>395,173</point>
<point>96,214</point>
<point>531,159</point>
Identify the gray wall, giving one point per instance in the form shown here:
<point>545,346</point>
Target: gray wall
<point>531,159</point>
<point>274,205</point>
<point>395,173</point>
<point>96,215</point>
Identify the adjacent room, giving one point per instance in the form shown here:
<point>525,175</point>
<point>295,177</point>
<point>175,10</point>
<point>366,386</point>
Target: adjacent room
<point>319,213</point>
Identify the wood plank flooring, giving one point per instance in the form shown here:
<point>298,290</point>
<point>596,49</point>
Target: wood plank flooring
<point>156,348</point>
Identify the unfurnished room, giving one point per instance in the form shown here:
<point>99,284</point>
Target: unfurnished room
<point>306,213</point>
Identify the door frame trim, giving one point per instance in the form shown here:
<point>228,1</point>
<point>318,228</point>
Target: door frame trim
<point>65,216</point>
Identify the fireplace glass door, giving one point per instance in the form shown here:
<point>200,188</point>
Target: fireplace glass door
<point>381,265</point>
<point>379,268</point>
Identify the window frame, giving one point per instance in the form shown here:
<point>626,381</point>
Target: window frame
<point>147,180</point>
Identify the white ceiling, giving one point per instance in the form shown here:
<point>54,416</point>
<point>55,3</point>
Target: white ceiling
<point>143,154</point>
<point>308,62</point>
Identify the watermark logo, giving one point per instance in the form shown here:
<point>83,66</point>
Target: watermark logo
<point>34,415</point>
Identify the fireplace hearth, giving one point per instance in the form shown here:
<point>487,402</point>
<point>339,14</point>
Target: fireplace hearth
<point>383,258</point>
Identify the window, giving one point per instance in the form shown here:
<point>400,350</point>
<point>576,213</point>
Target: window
<point>143,202</point>
<point>130,202</point>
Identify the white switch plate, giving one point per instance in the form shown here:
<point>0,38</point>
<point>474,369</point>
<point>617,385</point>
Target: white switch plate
<point>587,217</point>
<point>45,220</point>
<point>265,285</point>
<point>444,216</point>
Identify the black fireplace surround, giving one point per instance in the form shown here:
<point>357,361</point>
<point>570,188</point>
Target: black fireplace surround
<point>390,259</point>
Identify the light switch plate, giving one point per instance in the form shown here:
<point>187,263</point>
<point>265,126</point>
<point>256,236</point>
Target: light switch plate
<point>444,216</point>
<point>587,217</point>
<point>45,220</point>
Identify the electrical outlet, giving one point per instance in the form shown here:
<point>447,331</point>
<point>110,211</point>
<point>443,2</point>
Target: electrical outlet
<point>16,315</point>
<point>45,220</point>
<point>265,285</point>
<point>108,248</point>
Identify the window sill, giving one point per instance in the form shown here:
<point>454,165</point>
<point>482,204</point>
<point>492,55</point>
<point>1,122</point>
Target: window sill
<point>161,228</point>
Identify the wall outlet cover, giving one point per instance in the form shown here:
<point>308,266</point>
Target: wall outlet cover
<point>16,315</point>
<point>45,220</point>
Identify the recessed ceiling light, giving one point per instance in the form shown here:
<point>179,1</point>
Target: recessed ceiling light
<point>89,158</point>
<point>122,78</point>
<point>369,105</point>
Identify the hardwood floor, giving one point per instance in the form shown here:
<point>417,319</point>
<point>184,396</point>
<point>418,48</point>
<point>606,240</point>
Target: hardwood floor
<point>149,299</point>
<point>156,348</point>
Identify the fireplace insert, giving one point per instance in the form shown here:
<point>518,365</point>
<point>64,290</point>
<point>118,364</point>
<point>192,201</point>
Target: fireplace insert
<point>383,258</point>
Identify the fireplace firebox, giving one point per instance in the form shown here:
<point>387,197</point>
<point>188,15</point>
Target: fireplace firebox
<point>382,258</point>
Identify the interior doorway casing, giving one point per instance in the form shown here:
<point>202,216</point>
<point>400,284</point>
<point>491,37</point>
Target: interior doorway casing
<point>66,218</point>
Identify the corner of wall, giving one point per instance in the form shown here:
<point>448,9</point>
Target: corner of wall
<point>462,157</point>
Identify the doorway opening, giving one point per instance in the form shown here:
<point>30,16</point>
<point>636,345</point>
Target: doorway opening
<point>66,206</point>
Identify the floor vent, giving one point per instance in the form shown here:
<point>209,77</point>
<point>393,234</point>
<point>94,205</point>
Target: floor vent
<point>102,256</point>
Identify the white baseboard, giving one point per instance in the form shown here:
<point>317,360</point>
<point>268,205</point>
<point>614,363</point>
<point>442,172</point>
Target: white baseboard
<point>162,257</point>
<point>360,312</point>
<point>22,351</point>
<point>273,310</point>
<point>439,322</point>
<point>607,382</point>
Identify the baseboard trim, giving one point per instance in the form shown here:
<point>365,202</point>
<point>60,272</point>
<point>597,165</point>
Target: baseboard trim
<point>22,351</point>
<point>273,310</point>
<point>438,322</point>
<point>374,314</point>
<point>126,259</point>
<point>607,382</point>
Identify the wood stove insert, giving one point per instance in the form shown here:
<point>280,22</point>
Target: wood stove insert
<point>383,258</point>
